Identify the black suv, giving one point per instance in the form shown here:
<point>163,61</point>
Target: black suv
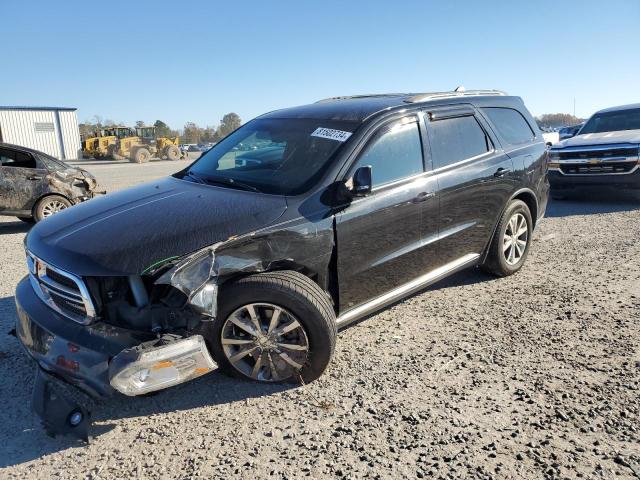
<point>34,185</point>
<point>250,259</point>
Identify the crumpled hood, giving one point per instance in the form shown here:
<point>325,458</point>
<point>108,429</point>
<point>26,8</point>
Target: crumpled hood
<point>124,232</point>
<point>604,138</point>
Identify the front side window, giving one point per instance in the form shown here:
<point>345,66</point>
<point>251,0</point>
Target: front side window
<point>613,121</point>
<point>511,125</point>
<point>395,153</point>
<point>273,155</point>
<point>456,139</point>
<point>11,158</point>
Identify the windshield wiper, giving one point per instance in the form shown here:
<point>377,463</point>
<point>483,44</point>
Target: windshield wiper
<point>226,182</point>
<point>230,182</point>
<point>196,177</point>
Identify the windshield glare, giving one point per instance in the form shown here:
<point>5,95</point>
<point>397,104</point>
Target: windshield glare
<point>277,156</point>
<point>613,122</point>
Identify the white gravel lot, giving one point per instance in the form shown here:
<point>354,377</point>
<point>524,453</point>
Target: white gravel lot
<point>532,376</point>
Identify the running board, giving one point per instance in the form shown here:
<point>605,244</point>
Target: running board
<point>407,289</point>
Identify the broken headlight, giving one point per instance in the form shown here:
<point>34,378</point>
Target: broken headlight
<point>193,277</point>
<point>147,368</point>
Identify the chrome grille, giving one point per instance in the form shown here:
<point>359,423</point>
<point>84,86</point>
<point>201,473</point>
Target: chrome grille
<point>64,292</point>
<point>614,159</point>
<point>604,167</point>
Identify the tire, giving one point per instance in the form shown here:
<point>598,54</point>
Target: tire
<point>299,299</point>
<point>499,260</point>
<point>49,205</point>
<point>172,152</point>
<point>27,219</point>
<point>141,155</point>
<point>113,154</point>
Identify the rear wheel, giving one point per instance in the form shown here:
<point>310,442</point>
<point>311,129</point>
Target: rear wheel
<point>142,155</point>
<point>50,205</point>
<point>172,152</point>
<point>274,327</point>
<point>510,244</point>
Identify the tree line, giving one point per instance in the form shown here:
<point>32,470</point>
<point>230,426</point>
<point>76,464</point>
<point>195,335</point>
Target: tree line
<point>190,133</point>
<point>555,120</point>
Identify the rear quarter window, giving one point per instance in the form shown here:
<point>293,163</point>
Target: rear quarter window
<point>511,125</point>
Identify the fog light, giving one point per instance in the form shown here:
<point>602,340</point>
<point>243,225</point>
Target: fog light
<point>75,418</point>
<point>148,368</point>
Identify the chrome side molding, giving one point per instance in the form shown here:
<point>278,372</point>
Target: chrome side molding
<point>408,288</point>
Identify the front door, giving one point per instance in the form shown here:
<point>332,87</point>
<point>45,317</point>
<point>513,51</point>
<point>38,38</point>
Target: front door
<point>380,236</point>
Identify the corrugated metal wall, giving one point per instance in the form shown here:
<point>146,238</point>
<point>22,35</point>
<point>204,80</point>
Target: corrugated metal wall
<point>51,131</point>
<point>70,134</point>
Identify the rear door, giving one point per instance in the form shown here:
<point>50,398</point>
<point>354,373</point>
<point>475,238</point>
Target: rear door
<point>21,180</point>
<point>380,236</point>
<point>475,178</point>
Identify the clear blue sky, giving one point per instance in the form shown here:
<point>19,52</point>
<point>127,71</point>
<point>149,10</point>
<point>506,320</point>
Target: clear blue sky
<point>194,61</point>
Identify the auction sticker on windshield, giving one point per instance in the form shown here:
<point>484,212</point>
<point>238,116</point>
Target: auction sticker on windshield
<point>331,134</point>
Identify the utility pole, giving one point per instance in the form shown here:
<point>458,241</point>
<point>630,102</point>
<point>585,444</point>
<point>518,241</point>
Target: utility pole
<point>574,106</point>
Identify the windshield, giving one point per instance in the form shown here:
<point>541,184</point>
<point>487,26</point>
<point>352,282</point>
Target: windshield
<point>277,156</point>
<point>613,121</point>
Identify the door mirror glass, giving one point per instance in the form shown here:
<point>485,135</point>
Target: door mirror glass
<point>361,181</point>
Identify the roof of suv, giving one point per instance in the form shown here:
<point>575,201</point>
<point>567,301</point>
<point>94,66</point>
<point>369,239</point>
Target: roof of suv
<point>631,106</point>
<point>359,108</point>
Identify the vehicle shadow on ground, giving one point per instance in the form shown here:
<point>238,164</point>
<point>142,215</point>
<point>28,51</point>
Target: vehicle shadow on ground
<point>593,203</point>
<point>22,438</point>
<point>8,228</point>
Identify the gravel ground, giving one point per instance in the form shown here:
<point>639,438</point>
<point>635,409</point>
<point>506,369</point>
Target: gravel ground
<point>532,376</point>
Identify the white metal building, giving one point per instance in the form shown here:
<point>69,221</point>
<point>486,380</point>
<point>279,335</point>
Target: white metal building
<point>53,130</point>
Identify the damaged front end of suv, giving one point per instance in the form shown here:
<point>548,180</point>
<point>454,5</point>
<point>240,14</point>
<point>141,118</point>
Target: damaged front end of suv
<point>143,332</point>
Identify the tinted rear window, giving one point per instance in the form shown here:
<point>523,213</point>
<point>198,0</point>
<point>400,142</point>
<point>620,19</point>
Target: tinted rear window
<point>14,158</point>
<point>511,125</point>
<point>456,139</point>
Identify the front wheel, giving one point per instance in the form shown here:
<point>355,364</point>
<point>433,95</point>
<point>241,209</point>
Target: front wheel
<point>50,205</point>
<point>510,244</point>
<point>172,152</point>
<point>274,327</point>
<point>142,155</point>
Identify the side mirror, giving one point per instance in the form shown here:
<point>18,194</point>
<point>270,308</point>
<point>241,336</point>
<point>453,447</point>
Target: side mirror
<point>361,181</point>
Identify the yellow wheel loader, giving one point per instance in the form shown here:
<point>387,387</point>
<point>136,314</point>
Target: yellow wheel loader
<point>141,144</point>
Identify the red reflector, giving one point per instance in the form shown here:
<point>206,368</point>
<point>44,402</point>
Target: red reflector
<point>63,362</point>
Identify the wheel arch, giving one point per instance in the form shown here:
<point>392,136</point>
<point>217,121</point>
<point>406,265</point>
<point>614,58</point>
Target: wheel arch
<point>49,194</point>
<point>529,198</point>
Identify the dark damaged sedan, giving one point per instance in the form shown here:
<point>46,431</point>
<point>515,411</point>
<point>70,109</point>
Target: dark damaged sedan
<point>34,185</point>
<point>250,259</point>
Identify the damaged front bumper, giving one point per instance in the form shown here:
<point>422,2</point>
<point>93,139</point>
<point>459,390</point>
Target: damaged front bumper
<point>98,359</point>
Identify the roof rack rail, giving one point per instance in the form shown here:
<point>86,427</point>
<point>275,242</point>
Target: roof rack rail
<point>349,97</point>
<point>459,92</point>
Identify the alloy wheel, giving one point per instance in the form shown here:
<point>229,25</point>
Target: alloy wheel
<point>515,239</point>
<point>264,342</point>
<point>51,207</point>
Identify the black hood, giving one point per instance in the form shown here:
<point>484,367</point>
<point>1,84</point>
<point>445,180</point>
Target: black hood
<point>124,232</point>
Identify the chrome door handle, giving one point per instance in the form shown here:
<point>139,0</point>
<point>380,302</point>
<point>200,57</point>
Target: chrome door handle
<point>501,172</point>
<point>423,196</point>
